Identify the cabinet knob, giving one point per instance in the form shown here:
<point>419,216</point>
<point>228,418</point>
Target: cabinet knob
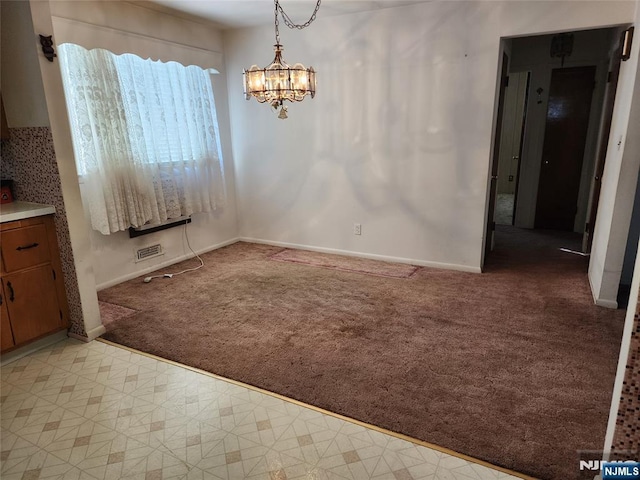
<point>12,295</point>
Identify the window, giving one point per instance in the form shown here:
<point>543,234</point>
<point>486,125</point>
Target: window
<point>145,137</point>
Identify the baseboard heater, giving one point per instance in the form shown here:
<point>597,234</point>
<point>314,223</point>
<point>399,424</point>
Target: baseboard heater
<point>147,229</point>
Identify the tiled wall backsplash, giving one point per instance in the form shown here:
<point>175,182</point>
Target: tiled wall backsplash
<point>626,440</point>
<point>28,158</point>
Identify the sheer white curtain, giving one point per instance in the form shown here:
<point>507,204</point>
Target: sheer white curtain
<point>145,137</point>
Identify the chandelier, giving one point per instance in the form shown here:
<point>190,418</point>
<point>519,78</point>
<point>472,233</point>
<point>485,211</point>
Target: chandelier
<point>279,81</point>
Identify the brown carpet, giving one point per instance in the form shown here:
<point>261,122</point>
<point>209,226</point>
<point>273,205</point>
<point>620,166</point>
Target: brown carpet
<point>110,313</point>
<point>514,366</point>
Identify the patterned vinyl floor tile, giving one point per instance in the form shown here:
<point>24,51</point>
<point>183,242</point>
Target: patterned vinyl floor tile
<point>94,411</point>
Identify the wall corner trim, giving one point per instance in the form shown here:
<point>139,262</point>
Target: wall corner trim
<point>603,302</point>
<point>91,334</point>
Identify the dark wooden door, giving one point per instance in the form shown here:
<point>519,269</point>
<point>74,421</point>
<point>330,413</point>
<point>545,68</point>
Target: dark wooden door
<point>565,136</point>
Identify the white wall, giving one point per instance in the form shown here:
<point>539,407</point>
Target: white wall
<point>150,31</point>
<point>631,251</point>
<point>126,27</point>
<point>618,184</point>
<point>21,84</point>
<point>532,54</point>
<point>78,228</point>
<point>399,135</point>
<point>412,168</point>
<point>113,255</point>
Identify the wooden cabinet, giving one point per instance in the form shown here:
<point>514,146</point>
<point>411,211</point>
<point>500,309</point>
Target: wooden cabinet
<point>6,335</point>
<point>33,301</point>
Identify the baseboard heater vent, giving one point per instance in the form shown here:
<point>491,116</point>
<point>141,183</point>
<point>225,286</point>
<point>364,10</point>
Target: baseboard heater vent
<point>149,252</point>
<point>146,229</point>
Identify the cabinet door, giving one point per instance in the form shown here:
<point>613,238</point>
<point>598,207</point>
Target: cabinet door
<point>32,302</point>
<point>6,336</point>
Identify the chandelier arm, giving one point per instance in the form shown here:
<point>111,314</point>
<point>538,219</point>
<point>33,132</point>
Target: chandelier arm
<point>289,23</point>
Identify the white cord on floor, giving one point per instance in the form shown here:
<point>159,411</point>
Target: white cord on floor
<point>169,275</point>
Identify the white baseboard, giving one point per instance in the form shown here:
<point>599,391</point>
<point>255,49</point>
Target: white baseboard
<point>603,302</point>
<point>372,256</point>
<point>32,347</point>
<point>162,265</point>
<point>91,334</point>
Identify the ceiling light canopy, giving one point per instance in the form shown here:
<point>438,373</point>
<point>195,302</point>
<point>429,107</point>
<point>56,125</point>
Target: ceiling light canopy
<point>279,81</point>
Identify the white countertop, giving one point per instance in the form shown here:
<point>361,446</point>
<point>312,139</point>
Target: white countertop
<point>10,212</point>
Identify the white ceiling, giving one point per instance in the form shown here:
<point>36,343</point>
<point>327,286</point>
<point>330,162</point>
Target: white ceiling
<point>246,13</point>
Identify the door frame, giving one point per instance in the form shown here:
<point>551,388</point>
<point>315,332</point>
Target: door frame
<point>520,147</point>
<point>490,225</point>
<point>603,143</point>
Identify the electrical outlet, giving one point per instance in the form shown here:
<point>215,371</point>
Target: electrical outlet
<point>511,178</point>
<point>357,229</point>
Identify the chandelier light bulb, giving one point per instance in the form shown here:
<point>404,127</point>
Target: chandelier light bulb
<point>279,81</point>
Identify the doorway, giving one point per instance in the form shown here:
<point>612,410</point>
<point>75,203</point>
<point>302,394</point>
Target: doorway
<point>550,135</point>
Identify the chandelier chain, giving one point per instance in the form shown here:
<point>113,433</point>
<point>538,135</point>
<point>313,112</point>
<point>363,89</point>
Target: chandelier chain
<point>287,20</point>
<point>289,23</point>
<point>277,23</point>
